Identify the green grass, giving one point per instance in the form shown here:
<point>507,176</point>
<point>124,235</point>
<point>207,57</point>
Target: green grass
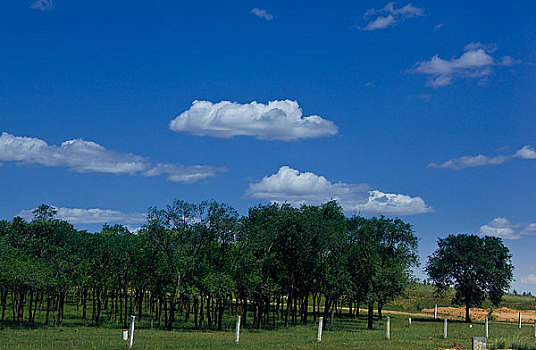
<point>424,333</point>
<point>345,333</point>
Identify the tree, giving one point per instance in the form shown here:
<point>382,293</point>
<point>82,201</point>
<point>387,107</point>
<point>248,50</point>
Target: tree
<point>475,266</point>
<point>44,212</point>
<point>382,252</point>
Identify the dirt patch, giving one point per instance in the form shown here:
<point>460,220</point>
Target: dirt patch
<point>501,314</point>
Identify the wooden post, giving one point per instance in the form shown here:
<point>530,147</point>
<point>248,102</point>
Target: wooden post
<point>130,341</point>
<point>435,312</point>
<point>320,323</point>
<point>520,320</point>
<point>409,321</point>
<point>237,332</point>
<point>445,329</point>
<point>487,328</point>
<point>388,330</point>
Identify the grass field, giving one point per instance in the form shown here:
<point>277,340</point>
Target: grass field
<point>345,333</point>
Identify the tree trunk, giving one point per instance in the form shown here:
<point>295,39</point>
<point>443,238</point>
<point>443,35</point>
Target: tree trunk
<point>333,312</point>
<point>467,316</point>
<point>209,316</point>
<point>202,311</point>
<point>327,307</point>
<point>4,303</point>
<point>172,303</point>
<point>220,316</point>
<point>93,308</point>
<point>99,306</point>
<point>196,312</point>
<point>289,304</point>
<point>305,307</point>
<point>48,310</point>
<point>370,315</point>
<point>30,304</point>
<point>84,303</point>
<point>380,307</point>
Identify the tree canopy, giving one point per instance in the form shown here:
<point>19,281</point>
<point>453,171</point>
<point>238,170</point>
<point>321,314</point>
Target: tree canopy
<point>476,267</point>
<point>198,260</point>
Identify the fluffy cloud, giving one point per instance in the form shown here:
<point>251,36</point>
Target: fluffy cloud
<point>501,227</point>
<point>476,62</point>
<point>289,185</point>
<point>89,157</point>
<point>389,16</point>
<point>527,152</point>
<point>278,120</point>
<point>43,5</point>
<point>529,279</point>
<point>262,14</point>
<point>92,216</point>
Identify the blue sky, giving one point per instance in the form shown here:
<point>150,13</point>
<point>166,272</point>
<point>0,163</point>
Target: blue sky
<point>423,110</point>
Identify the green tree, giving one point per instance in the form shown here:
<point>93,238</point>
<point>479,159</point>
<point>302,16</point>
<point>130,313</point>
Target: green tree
<point>44,212</point>
<point>474,266</point>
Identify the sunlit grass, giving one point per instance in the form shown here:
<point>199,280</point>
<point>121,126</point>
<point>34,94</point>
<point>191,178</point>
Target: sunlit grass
<point>345,333</point>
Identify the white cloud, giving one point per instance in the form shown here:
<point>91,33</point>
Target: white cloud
<point>501,227</point>
<point>476,62</point>
<point>389,16</point>
<point>527,152</point>
<point>262,14</point>
<point>438,26</point>
<point>43,5</point>
<point>529,279</point>
<point>289,185</point>
<point>278,120</point>
<point>89,157</point>
<point>475,45</point>
<point>92,216</point>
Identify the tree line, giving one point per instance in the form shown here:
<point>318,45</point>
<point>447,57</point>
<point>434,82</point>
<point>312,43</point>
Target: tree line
<point>202,261</point>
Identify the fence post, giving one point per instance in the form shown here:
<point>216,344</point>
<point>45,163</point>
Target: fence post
<point>487,328</point>
<point>409,321</point>
<point>520,320</point>
<point>445,329</point>
<point>388,330</point>
<point>237,332</point>
<point>435,312</point>
<point>320,324</point>
<point>130,341</point>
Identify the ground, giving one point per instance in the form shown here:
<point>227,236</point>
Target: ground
<point>417,303</point>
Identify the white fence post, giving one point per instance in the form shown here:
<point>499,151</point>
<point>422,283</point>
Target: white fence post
<point>520,320</point>
<point>487,328</point>
<point>409,321</point>
<point>320,324</point>
<point>445,329</point>
<point>130,341</point>
<point>237,332</point>
<point>435,312</point>
<point>388,330</point>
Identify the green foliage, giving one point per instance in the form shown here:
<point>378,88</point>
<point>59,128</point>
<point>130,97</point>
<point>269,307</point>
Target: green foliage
<point>476,267</point>
<point>202,258</point>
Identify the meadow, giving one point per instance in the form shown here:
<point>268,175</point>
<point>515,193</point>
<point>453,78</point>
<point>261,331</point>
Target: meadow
<point>344,333</point>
